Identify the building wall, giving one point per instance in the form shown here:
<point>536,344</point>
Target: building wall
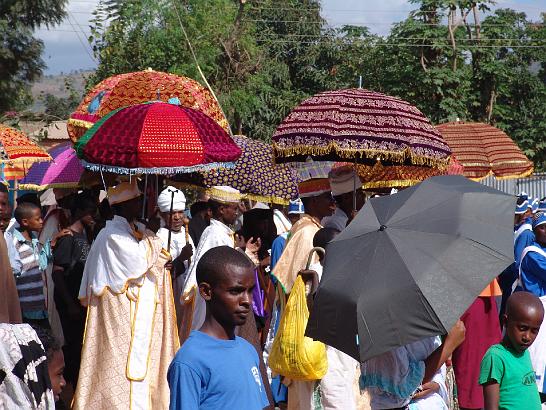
<point>534,186</point>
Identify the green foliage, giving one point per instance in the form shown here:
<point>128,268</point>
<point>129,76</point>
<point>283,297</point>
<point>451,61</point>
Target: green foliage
<point>20,61</point>
<point>263,58</point>
<point>60,108</point>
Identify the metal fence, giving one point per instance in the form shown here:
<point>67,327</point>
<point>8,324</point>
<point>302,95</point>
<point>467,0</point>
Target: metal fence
<point>534,186</point>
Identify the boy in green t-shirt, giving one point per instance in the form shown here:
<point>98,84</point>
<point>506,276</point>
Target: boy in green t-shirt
<point>506,372</point>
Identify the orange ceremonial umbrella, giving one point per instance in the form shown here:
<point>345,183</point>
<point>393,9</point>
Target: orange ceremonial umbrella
<point>483,150</point>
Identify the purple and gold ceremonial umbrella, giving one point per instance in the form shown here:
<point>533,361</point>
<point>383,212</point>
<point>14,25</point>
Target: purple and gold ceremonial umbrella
<point>357,125</point>
<point>64,171</point>
<point>254,175</point>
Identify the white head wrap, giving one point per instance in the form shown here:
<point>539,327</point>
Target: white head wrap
<point>164,200</point>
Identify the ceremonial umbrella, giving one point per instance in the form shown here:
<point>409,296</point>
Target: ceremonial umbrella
<point>140,87</point>
<point>484,150</point>
<point>410,264</point>
<point>156,138</point>
<point>254,175</point>
<point>402,176</point>
<point>357,125</point>
<point>64,171</point>
<point>16,149</point>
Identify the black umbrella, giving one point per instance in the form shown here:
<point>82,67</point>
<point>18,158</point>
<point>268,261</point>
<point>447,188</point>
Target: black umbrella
<point>410,264</point>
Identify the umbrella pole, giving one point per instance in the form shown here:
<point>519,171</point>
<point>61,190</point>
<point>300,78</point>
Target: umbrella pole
<point>354,187</point>
<point>170,222</point>
<point>145,196</point>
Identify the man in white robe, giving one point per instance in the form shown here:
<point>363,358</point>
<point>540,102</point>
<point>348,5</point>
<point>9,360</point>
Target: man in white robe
<point>224,202</point>
<point>130,335</point>
<point>181,246</point>
<point>344,181</point>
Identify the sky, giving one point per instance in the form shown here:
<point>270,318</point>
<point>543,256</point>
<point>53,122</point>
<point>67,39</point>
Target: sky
<point>67,48</point>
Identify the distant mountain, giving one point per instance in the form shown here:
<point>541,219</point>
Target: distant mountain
<point>57,86</point>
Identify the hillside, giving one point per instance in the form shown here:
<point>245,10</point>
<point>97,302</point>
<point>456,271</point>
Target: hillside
<point>57,86</point>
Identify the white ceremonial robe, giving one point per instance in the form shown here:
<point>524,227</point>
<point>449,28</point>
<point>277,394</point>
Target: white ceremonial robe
<point>337,221</point>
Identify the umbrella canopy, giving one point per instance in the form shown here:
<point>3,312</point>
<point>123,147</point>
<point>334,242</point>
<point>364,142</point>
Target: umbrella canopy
<point>139,87</point>
<point>64,171</point>
<point>16,149</point>
<point>484,150</point>
<point>156,138</point>
<point>359,125</point>
<point>422,256</point>
<point>254,175</point>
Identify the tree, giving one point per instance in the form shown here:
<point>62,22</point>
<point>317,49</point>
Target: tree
<point>20,61</point>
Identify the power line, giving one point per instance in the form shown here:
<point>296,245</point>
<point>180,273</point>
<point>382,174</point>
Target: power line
<point>415,38</point>
<point>80,40</point>
<point>377,23</point>
<point>407,44</point>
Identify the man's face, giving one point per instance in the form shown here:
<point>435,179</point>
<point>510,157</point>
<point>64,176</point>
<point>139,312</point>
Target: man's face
<point>293,218</point>
<point>4,203</point>
<point>540,234</point>
<point>133,208</point>
<point>34,222</point>
<point>522,328</point>
<point>230,300</point>
<point>55,368</point>
<point>324,205</point>
<point>229,213</point>
<point>177,220</point>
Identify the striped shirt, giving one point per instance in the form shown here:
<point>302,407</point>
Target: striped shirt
<point>30,281</point>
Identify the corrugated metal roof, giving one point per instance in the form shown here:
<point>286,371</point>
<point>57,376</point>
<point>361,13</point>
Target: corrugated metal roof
<point>534,186</point>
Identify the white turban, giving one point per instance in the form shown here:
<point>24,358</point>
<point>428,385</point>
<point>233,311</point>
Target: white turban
<point>164,200</point>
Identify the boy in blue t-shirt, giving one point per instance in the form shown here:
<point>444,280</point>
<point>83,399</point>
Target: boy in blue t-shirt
<point>506,372</point>
<point>215,369</point>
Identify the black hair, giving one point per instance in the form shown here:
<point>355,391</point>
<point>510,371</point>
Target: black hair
<point>211,268</point>
<point>324,236</point>
<point>83,202</point>
<point>3,188</point>
<point>24,210</point>
<point>306,202</point>
<point>50,343</point>
<point>214,206</point>
<point>198,206</point>
<point>29,198</point>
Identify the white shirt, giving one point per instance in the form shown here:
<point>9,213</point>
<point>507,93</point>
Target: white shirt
<point>216,234</point>
<point>337,221</point>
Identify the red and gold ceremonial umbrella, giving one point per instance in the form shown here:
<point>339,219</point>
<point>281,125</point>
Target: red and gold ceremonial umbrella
<point>140,87</point>
<point>17,151</point>
<point>357,125</point>
<point>156,138</point>
<point>484,150</point>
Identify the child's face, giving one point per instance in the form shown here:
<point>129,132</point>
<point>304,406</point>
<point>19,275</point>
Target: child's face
<point>522,328</point>
<point>34,222</point>
<point>5,219</point>
<point>230,300</point>
<point>55,368</point>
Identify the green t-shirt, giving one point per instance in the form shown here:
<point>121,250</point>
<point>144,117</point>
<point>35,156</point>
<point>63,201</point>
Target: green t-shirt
<point>514,374</point>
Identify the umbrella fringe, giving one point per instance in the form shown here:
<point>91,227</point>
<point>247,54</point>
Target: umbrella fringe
<point>400,156</point>
<point>36,187</point>
<point>157,170</point>
<point>395,183</point>
<point>80,123</point>
<point>254,197</point>
<point>525,174</point>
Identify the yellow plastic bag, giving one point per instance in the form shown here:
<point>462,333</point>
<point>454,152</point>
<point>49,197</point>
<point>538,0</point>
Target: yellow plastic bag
<point>293,354</point>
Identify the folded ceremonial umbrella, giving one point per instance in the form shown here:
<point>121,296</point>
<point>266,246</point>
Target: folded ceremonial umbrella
<point>64,171</point>
<point>139,87</point>
<point>410,264</point>
<point>254,174</point>
<point>156,138</point>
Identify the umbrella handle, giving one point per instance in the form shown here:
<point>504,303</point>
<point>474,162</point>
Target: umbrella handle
<point>317,249</point>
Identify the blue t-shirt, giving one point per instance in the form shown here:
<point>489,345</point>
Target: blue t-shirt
<point>210,373</point>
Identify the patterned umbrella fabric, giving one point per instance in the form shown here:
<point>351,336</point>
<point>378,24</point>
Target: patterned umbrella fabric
<point>156,138</point>
<point>401,176</point>
<point>255,174</point>
<point>64,171</point>
<point>484,150</point>
<point>17,150</point>
<point>362,126</point>
<point>140,87</point>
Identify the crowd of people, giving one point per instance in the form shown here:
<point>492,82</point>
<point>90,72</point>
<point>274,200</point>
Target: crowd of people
<point>102,308</point>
